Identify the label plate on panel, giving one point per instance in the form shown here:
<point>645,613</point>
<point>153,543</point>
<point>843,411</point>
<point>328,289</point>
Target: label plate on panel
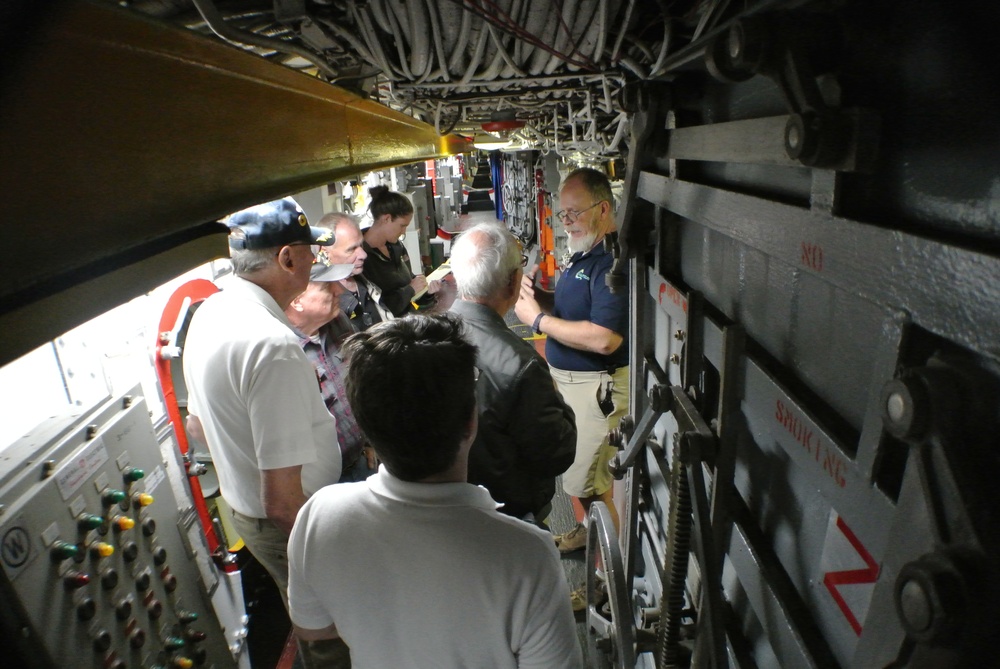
<point>80,468</point>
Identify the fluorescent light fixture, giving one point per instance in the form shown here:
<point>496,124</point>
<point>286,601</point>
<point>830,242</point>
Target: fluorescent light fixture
<point>497,145</point>
<point>487,142</point>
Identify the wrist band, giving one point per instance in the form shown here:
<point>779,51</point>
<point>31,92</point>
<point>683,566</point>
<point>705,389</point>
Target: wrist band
<point>538,322</point>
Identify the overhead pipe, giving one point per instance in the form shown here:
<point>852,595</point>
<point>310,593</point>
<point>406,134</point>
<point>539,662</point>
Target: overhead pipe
<point>578,23</point>
<point>619,133</point>
<point>668,33</point>
<point>380,14</point>
<point>550,23</point>
<point>519,12</point>
<point>217,23</point>
<point>459,47</point>
<point>477,56</point>
<point>349,37</point>
<point>438,38</point>
<point>551,79</point>
<point>399,42</point>
<point>363,22</point>
<point>621,33</point>
<point>420,48</point>
<point>502,51</point>
<point>602,27</point>
<point>608,105</point>
<point>564,35</point>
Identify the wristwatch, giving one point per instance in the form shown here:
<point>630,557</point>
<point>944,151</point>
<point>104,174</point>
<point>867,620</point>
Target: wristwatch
<point>538,322</point>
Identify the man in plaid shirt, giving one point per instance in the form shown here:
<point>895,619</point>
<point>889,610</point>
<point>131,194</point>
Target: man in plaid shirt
<point>322,327</point>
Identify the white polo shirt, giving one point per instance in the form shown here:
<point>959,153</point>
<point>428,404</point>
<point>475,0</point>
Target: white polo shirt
<point>257,396</point>
<point>429,575</point>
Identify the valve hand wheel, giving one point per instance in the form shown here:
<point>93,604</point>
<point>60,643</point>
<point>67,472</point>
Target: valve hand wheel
<point>611,638</point>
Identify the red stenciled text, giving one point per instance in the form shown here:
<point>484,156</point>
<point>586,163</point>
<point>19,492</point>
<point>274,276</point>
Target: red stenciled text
<point>673,295</point>
<point>828,458</point>
<point>812,256</point>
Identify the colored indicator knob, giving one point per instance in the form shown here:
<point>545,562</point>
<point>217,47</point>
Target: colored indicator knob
<point>122,523</point>
<point>159,555</point>
<point>155,609</point>
<point>183,662</point>
<point>173,643</point>
<point>86,609</point>
<point>148,527</point>
<point>63,551</point>
<point>123,609</point>
<point>142,499</point>
<point>113,497</point>
<point>74,579</point>
<point>130,551</point>
<point>115,663</point>
<point>186,617</point>
<point>109,579</point>
<point>102,641</point>
<point>169,580</point>
<point>195,635</point>
<point>132,474</point>
<point>137,638</point>
<point>99,549</point>
<point>88,521</point>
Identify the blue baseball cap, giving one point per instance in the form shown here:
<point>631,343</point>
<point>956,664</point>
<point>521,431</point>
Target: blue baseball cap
<point>275,224</point>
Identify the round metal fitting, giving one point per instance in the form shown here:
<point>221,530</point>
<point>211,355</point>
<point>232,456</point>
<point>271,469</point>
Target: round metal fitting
<point>905,407</point>
<point>660,398</point>
<point>736,43</point>
<point>719,60</point>
<point>802,133</point>
<point>930,598</point>
<point>627,426</point>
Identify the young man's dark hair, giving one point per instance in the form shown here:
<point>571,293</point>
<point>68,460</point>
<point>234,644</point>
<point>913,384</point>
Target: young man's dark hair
<point>411,385</point>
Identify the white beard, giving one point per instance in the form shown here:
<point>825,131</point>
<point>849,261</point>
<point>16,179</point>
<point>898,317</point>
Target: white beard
<point>581,244</point>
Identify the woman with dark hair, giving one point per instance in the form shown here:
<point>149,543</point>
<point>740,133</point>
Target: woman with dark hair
<point>388,264</point>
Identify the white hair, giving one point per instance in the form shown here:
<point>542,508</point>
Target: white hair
<point>483,259</point>
<point>250,261</point>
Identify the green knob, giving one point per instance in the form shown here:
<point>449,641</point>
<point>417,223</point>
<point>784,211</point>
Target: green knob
<point>63,551</point>
<point>88,521</point>
<point>114,496</point>
<point>187,616</point>
<point>131,474</point>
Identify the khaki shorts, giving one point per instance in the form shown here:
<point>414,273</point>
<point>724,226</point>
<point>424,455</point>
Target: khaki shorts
<point>589,475</point>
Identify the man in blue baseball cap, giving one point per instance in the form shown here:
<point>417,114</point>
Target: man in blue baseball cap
<point>252,391</point>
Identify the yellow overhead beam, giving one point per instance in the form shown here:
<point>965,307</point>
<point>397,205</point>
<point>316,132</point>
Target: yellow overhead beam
<point>119,135</point>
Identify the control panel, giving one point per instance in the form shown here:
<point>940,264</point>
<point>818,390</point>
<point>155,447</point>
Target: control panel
<point>102,565</point>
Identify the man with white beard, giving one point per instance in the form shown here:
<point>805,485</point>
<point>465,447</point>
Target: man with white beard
<point>586,326</point>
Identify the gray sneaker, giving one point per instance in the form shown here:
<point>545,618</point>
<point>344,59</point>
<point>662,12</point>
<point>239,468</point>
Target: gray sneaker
<point>574,540</point>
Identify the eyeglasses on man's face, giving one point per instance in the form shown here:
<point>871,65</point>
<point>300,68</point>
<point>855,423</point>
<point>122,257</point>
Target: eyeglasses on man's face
<point>573,216</point>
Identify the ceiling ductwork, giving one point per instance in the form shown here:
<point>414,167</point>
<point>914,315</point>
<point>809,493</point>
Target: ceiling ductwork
<point>558,66</point>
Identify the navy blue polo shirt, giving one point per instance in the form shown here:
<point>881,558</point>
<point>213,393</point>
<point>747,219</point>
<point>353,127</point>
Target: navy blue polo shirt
<point>583,295</point>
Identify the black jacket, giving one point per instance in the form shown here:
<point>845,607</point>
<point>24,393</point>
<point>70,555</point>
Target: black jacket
<point>392,275</point>
<point>527,433</point>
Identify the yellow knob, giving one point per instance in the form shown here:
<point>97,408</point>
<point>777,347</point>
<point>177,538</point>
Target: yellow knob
<point>183,663</point>
<point>143,499</point>
<point>102,549</point>
<point>124,523</point>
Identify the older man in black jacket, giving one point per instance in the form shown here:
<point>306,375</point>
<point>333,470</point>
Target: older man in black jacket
<point>527,433</point>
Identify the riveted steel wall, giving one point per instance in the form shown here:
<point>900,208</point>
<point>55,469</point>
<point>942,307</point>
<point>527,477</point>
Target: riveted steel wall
<point>816,313</point>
